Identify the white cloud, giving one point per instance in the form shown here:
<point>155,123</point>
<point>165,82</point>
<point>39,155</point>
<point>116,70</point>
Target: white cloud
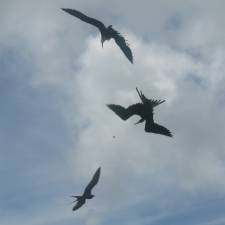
<point>190,162</point>
<point>184,67</point>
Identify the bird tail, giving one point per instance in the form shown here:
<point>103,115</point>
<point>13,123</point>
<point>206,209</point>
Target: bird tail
<point>77,198</point>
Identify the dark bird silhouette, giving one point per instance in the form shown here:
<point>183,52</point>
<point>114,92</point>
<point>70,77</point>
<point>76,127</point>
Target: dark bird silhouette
<point>81,199</point>
<point>106,32</point>
<point>145,111</point>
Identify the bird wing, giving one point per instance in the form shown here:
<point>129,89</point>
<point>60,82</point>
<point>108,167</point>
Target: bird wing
<point>93,182</point>
<point>125,113</point>
<point>85,18</point>
<point>122,43</point>
<point>156,128</point>
<point>153,102</point>
<point>79,203</point>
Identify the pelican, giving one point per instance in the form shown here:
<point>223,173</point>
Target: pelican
<point>106,32</point>
<point>81,199</point>
<point>145,111</point>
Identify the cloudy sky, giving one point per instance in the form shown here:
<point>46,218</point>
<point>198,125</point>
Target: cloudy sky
<point>56,131</point>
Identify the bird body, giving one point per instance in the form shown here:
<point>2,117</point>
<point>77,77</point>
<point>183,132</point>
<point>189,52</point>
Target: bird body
<point>145,111</point>
<point>81,199</point>
<point>106,32</point>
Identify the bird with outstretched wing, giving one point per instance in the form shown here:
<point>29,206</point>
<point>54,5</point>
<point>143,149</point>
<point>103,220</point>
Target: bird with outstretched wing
<point>145,111</point>
<point>106,32</point>
<point>81,199</point>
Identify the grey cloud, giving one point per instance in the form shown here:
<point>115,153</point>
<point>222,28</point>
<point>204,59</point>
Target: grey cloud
<point>66,56</point>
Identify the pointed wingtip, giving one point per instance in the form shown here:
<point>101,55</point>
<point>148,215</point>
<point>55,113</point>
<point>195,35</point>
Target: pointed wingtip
<point>139,93</point>
<point>98,172</point>
<point>65,9</point>
<point>130,58</point>
<point>169,134</point>
<point>160,102</point>
<point>109,106</point>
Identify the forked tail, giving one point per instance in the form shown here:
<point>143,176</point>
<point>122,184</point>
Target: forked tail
<point>77,198</point>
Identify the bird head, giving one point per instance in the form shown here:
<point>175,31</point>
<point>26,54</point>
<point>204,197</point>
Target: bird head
<point>103,40</point>
<point>92,196</point>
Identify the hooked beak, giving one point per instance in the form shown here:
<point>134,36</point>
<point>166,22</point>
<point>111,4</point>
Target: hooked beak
<point>137,122</point>
<point>140,121</point>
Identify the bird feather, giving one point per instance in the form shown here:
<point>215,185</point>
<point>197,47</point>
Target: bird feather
<point>156,128</point>
<point>93,182</point>
<point>125,113</point>
<point>122,43</point>
<point>85,18</point>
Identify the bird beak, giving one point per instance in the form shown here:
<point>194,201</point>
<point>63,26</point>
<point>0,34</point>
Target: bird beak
<point>139,121</point>
<point>102,44</point>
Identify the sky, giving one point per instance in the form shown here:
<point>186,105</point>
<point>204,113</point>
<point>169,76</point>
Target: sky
<point>55,82</point>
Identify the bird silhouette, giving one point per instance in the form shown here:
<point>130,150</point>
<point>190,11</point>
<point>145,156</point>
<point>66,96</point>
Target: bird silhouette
<point>81,199</point>
<point>106,32</point>
<point>145,111</point>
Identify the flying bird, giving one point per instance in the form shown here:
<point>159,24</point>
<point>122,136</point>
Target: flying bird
<point>106,32</point>
<point>81,199</point>
<point>145,111</point>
